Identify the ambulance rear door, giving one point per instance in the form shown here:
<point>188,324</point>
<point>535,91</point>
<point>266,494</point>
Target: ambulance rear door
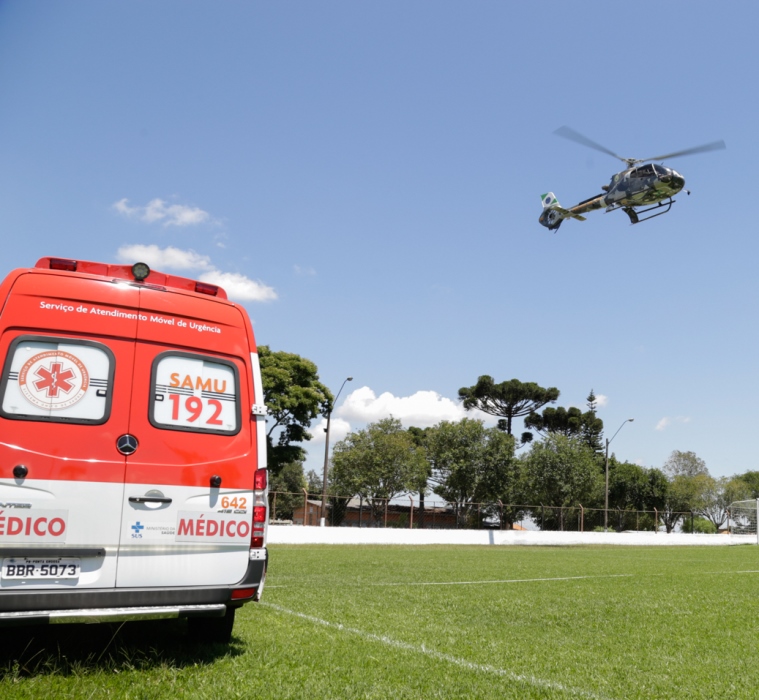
<point>188,501</point>
<point>64,402</point>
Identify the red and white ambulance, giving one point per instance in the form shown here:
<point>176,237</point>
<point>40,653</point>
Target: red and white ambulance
<point>132,448</point>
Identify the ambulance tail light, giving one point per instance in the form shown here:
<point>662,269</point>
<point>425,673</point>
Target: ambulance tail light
<point>63,264</point>
<point>205,288</point>
<point>260,479</point>
<point>259,524</point>
<point>243,593</point>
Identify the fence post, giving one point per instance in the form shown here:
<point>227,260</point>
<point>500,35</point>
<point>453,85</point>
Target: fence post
<point>692,531</point>
<point>305,506</point>
<point>582,518</point>
<point>500,508</point>
<point>656,521</point>
<point>386,500</point>
<point>619,519</point>
<point>542,517</point>
<point>637,520</point>
<point>479,517</point>
<point>360,508</point>
<point>411,513</point>
<point>274,506</point>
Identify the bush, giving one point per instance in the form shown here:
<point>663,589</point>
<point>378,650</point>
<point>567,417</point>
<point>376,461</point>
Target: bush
<point>700,525</point>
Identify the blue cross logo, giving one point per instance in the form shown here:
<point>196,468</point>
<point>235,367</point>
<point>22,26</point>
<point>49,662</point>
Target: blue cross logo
<point>137,527</point>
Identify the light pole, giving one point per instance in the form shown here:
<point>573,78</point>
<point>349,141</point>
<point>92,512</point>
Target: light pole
<point>323,520</point>
<point>606,497</point>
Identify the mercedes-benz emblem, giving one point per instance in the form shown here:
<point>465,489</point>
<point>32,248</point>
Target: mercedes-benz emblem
<point>127,444</point>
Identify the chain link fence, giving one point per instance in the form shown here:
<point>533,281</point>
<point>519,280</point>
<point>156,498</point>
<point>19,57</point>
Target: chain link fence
<point>355,511</point>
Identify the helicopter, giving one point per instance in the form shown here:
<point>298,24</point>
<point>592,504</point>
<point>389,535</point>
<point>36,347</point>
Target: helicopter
<point>649,185</point>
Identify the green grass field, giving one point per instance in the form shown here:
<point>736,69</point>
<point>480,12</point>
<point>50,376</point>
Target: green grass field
<point>436,622</point>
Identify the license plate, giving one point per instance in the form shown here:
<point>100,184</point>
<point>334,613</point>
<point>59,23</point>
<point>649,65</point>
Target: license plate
<point>28,567</point>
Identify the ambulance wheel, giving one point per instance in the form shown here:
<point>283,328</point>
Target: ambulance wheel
<point>213,629</point>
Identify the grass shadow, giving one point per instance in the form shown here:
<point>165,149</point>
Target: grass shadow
<point>82,649</point>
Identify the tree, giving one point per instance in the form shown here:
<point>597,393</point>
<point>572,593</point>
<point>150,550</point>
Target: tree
<point>507,400</point>
<point>718,495</point>
<point>558,420</point>
<point>751,480</point>
<point>314,482</point>
<point>570,422</point>
<point>294,396</point>
<point>562,471</point>
<point>684,464</point>
<point>593,426</point>
<point>629,486</point>
<point>420,437</point>
<point>689,482</point>
<point>378,463</point>
<point>470,464</point>
<point>685,494</point>
<point>288,484</point>
<point>635,488</point>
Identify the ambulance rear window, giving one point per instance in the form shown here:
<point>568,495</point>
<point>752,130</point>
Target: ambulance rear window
<point>195,393</point>
<point>57,379</point>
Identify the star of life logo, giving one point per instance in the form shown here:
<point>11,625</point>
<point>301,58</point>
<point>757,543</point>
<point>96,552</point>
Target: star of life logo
<point>53,380</point>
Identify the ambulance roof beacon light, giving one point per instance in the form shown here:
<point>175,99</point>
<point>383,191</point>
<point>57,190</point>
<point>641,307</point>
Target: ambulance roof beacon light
<point>140,271</point>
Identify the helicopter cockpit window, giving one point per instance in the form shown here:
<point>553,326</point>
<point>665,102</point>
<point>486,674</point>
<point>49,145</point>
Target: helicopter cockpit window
<point>643,171</point>
<point>660,170</point>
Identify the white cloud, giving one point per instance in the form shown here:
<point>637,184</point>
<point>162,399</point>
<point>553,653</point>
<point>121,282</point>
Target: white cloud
<point>237,286</point>
<point>602,400</point>
<point>159,210</point>
<point>304,271</point>
<point>338,429</point>
<point>665,422</point>
<point>173,258</point>
<point>422,409</point>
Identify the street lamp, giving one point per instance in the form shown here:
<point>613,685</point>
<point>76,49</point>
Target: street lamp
<point>326,453</point>
<point>606,497</point>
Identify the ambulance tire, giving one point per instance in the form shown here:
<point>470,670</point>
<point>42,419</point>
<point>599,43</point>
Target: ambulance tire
<point>213,629</point>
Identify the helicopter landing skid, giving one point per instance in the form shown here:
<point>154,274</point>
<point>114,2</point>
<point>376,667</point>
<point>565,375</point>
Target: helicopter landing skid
<point>634,215</point>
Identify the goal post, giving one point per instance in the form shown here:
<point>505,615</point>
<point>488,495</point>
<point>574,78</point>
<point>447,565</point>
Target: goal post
<point>744,516</point>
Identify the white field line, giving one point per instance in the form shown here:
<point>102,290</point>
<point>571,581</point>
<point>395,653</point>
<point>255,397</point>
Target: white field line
<point>508,580</point>
<point>477,583</point>
<point>440,656</point>
<point>519,580</point>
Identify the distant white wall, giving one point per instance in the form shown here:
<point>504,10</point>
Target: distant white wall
<point>298,534</point>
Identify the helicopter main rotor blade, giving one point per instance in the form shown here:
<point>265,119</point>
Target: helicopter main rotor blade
<point>714,146</point>
<point>572,135</point>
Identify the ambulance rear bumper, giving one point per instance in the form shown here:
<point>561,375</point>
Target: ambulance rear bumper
<point>40,606</point>
<point>110,614</point>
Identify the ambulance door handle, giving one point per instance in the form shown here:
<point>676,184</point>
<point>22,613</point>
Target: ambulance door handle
<point>148,499</point>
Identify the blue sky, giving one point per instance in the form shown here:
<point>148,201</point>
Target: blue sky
<point>365,177</point>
